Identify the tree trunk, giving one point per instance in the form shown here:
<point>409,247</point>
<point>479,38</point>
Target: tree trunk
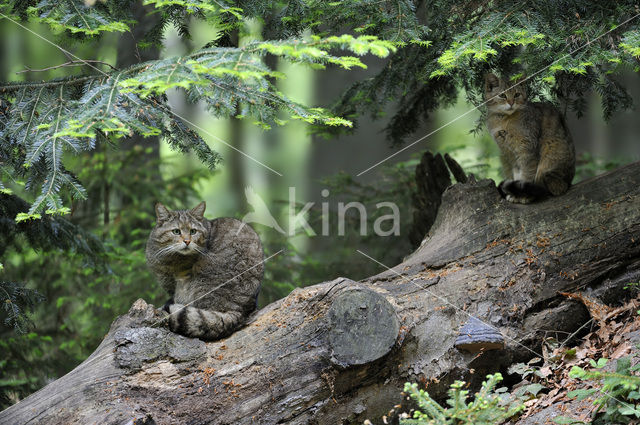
<point>340,352</point>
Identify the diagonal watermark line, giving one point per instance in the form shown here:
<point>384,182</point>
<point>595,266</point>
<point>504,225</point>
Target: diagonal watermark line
<point>486,101</point>
<point>444,300</point>
<point>630,406</point>
<point>111,352</point>
<point>217,287</point>
<point>88,63</point>
<point>419,140</point>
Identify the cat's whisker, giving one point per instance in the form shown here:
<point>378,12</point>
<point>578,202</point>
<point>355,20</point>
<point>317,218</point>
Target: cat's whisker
<point>198,250</point>
<point>167,250</point>
<point>164,250</point>
<point>176,247</point>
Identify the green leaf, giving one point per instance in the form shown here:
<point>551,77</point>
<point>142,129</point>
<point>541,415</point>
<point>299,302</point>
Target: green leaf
<point>600,364</point>
<point>581,394</point>
<point>534,389</point>
<point>629,410</point>
<point>51,121</point>
<point>197,6</point>
<point>108,109</point>
<point>630,43</point>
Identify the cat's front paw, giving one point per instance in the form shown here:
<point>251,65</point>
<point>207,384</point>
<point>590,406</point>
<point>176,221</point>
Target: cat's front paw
<point>521,191</point>
<point>502,188</point>
<point>511,191</point>
<point>518,199</point>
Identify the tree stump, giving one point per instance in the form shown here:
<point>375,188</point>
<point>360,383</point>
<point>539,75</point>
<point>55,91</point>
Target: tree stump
<point>362,327</point>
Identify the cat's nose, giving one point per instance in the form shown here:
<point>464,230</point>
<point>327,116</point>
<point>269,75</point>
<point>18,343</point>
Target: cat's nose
<point>187,242</point>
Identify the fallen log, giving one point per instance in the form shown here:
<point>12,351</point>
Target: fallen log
<point>340,352</point>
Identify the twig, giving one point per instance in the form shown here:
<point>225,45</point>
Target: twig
<point>575,333</point>
<point>67,64</point>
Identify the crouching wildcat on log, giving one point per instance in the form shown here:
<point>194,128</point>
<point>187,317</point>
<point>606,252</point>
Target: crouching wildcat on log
<point>212,269</point>
<point>536,150</point>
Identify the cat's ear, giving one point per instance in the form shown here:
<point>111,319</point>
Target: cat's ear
<point>198,210</point>
<point>491,81</point>
<point>162,213</point>
<point>521,82</point>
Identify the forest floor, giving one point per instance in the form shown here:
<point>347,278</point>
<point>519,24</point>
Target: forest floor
<point>596,396</point>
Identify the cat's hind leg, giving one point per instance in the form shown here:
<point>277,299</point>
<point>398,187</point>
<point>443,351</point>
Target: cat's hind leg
<point>556,183</point>
<point>557,164</point>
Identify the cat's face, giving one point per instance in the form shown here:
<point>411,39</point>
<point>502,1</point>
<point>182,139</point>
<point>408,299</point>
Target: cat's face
<point>502,97</point>
<point>181,232</point>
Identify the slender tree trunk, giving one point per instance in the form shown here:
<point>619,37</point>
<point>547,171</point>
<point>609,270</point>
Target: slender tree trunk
<point>129,54</point>
<point>237,170</point>
<point>236,163</point>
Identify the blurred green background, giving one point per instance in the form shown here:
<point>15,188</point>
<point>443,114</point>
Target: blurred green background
<point>81,300</point>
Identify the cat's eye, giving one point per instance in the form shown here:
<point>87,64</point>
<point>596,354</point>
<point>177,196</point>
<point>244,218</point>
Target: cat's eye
<point>193,231</point>
<point>503,96</point>
<point>516,95</point>
<point>176,231</point>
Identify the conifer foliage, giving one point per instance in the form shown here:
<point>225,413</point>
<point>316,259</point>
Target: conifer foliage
<point>45,234</point>
<point>41,122</point>
<point>566,48</point>
<point>45,124</point>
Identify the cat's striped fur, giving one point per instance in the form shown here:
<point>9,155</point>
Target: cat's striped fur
<point>212,270</point>
<point>536,150</point>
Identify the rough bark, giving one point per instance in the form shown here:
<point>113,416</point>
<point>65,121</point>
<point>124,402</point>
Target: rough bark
<point>432,179</point>
<point>340,351</point>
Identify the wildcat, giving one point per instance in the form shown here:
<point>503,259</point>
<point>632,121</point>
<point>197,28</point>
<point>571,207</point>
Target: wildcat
<point>212,269</point>
<point>536,150</point>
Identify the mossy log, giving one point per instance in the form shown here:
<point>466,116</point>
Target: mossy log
<point>339,352</point>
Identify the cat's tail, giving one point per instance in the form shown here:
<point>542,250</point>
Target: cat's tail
<point>204,324</point>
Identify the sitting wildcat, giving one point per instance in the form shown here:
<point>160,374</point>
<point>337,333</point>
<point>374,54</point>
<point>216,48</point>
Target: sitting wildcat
<point>536,150</point>
<point>211,268</point>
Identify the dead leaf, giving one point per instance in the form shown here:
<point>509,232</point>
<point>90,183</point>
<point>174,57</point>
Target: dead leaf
<point>622,350</point>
